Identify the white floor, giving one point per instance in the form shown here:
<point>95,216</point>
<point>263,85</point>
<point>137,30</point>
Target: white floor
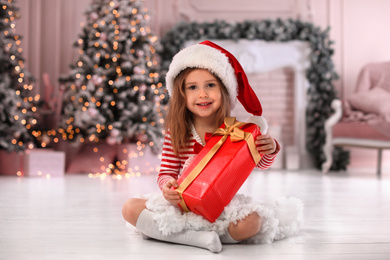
<point>76,217</point>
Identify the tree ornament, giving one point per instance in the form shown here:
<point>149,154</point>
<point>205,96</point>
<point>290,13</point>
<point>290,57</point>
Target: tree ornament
<point>140,53</point>
<point>94,16</point>
<point>97,80</point>
<point>103,36</point>
<point>138,70</point>
<point>93,112</point>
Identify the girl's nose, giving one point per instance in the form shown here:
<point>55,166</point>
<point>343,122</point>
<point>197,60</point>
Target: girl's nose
<point>203,93</point>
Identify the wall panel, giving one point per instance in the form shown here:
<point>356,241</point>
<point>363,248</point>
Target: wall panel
<point>205,10</point>
<point>49,28</point>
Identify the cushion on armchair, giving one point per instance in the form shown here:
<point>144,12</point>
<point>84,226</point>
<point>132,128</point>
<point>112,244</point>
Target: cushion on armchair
<point>374,75</point>
<point>376,100</point>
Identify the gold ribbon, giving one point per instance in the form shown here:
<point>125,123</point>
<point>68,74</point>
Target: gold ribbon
<point>236,135</point>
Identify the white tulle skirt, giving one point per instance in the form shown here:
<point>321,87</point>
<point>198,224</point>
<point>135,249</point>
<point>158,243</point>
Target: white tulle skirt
<point>284,219</point>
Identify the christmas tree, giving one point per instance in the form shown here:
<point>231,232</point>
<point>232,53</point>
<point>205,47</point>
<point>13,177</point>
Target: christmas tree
<point>113,91</point>
<point>17,105</point>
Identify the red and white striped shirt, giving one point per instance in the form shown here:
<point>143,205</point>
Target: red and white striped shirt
<point>172,166</point>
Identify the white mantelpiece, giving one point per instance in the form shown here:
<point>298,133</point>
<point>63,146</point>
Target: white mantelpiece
<point>258,56</point>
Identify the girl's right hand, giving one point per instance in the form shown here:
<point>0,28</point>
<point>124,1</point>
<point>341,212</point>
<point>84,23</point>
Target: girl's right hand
<point>171,195</point>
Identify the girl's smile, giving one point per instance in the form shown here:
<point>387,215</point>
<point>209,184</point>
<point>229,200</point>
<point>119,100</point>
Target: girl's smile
<point>204,104</point>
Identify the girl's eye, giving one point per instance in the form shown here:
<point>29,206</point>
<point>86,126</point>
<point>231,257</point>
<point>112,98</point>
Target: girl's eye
<point>210,85</point>
<point>192,87</point>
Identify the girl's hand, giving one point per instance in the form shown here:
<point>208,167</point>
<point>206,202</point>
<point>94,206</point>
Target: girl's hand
<point>265,144</point>
<point>171,195</point>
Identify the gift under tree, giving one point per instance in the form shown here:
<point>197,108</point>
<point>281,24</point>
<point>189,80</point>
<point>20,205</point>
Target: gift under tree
<point>17,103</point>
<point>112,92</point>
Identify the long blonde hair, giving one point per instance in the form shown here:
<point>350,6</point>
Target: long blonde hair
<point>179,118</point>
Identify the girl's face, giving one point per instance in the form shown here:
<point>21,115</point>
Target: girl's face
<point>203,94</point>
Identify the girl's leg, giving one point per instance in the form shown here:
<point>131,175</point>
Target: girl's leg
<point>244,229</point>
<point>134,211</point>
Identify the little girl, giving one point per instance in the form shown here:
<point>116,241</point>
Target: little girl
<point>204,82</point>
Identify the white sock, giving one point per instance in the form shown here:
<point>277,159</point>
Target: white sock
<point>227,239</point>
<point>203,239</point>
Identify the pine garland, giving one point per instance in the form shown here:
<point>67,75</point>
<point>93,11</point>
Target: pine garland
<point>320,74</point>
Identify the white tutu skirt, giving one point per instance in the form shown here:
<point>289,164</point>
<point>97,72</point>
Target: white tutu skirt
<point>284,219</point>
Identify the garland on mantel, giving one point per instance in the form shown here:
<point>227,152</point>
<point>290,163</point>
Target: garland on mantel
<point>320,74</point>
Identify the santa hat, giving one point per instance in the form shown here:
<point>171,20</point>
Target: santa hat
<point>220,62</point>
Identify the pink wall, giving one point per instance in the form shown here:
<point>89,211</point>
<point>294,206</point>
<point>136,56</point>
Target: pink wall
<point>365,38</point>
<point>358,27</point>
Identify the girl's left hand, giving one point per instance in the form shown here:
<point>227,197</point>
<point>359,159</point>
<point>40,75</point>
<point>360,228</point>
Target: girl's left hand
<point>265,144</point>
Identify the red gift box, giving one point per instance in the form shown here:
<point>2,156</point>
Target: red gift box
<point>219,170</point>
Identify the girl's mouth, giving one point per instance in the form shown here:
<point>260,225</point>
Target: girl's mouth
<point>204,104</point>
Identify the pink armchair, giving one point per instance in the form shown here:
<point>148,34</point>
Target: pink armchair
<point>363,119</point>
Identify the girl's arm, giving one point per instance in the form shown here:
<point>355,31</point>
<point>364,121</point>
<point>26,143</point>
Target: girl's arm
<point>169,172</point>
<point>170,163</point>
<point>269,147</point>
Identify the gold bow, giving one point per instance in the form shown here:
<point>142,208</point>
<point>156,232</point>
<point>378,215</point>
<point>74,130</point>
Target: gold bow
<point>236,134</point>
<point>231,129</point>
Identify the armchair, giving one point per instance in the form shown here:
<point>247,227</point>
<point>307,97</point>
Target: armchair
<point>362,120</point>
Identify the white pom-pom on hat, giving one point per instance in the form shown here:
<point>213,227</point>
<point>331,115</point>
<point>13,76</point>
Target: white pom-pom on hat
<point>260,121</point>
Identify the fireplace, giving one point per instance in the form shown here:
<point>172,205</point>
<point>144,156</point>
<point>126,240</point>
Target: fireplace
<point>276,72</point>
